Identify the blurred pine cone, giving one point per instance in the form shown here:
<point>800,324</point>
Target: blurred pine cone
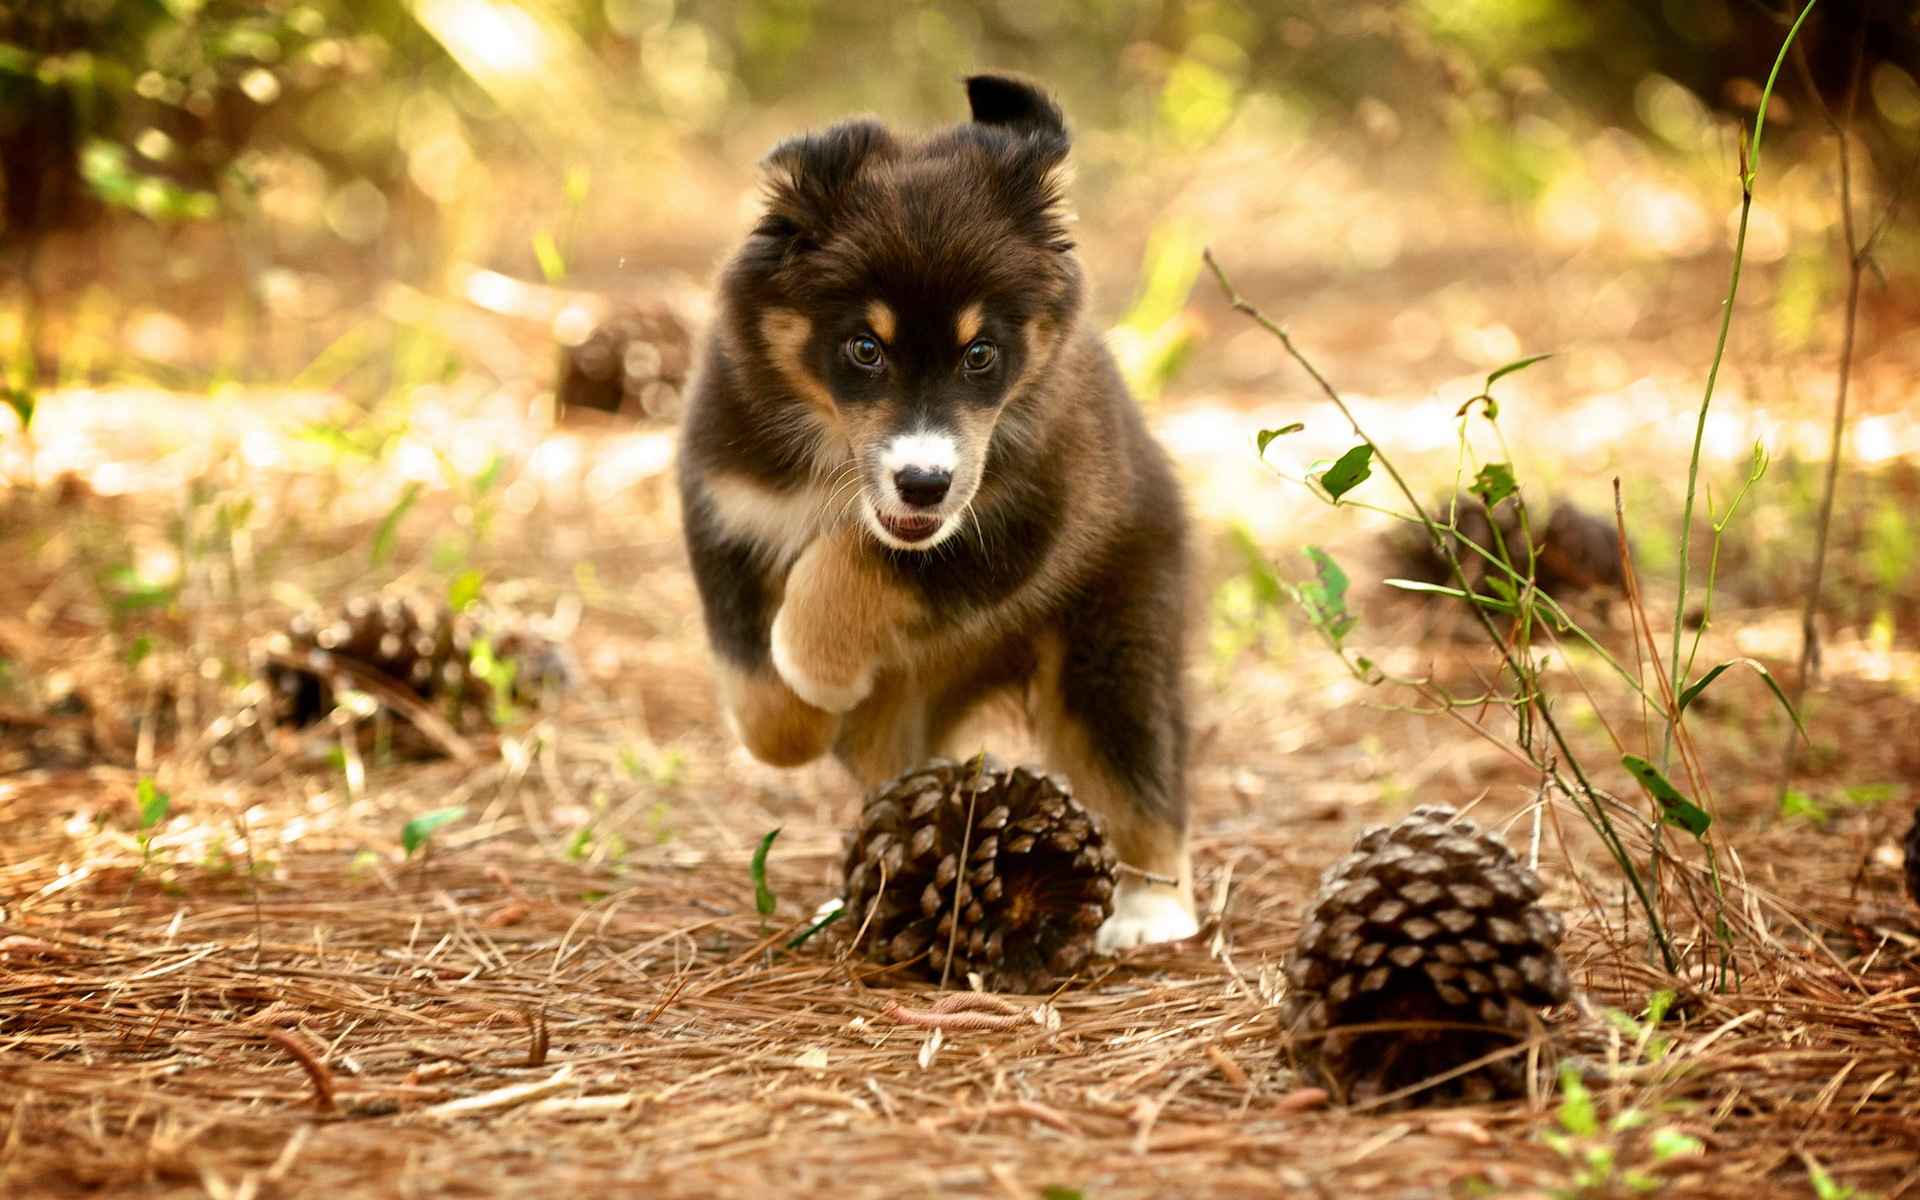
<point>623,356</point>
<point>1574,552</point>
<point>415,644</point>
<point>1006,854</point>
<point>1430,922</point>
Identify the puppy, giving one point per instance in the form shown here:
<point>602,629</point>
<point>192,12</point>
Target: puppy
<point>913,480</point>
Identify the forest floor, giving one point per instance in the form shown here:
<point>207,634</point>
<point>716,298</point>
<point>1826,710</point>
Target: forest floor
<point>568,990</point>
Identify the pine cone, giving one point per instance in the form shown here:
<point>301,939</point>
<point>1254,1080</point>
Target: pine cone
<point>1027,880</point>
<point>1575,552</point>
<point>416,644</point>
<point>632,357</point>
<point>1429,922</point>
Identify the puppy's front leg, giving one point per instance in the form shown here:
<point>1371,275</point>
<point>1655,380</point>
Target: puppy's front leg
<point>842,618</point>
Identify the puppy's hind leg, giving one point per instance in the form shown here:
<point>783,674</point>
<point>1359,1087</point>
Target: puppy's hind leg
<point>1119,737</point>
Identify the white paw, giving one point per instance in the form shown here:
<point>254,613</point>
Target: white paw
<point>1142,916</point>
<point>833,698</point>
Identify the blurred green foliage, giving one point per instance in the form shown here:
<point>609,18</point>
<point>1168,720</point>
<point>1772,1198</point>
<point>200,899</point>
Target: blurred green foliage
<point>282,158</point>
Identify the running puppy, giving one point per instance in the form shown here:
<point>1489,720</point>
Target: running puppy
<point>912,480</point>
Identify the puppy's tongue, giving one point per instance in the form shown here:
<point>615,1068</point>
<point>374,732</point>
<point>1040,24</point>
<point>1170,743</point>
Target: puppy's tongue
<point>910,529</point>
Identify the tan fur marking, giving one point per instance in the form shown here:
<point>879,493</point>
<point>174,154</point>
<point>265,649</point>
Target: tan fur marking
<point>775,726</point>
<point>786,332</point>
<point>842,618</point>
<point>881,320</point>
<point>968,326</point>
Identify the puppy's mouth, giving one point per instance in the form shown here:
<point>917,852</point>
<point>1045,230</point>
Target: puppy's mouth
<point>912,527</point>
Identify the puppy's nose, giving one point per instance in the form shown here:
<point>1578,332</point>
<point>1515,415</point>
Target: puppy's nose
<point>922,487</point>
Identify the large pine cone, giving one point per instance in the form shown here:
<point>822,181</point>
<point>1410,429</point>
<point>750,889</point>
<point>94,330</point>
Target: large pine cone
<point>1431,925</point>
<point>415,644</point>
<point>1006,854</point>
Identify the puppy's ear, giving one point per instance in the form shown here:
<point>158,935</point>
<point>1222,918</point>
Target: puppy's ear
<point>1033,171</point>
<point>1018,104</point>
<point>808,178</point>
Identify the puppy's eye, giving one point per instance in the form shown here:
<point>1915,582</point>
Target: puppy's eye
<point>979,355</point>
<point>864,351</point>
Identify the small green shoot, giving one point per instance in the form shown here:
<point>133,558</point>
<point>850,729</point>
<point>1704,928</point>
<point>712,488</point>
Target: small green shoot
<point>380,550</point>
<point>763,898</point>
<point>1799,804</point>
<point>465,588</point>
<point>1056,1192</point>
<point>800,939</point>
<point>498,674</point>
<point>415,834</point>
<point>547,252</point>
<point>1826,1188</point>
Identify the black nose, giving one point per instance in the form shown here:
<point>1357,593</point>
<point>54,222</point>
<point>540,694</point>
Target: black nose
<point>922,487</point>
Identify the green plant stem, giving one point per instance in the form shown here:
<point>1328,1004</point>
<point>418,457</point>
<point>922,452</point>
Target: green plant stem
<point>1594,810</point>
<point>1749,166</point>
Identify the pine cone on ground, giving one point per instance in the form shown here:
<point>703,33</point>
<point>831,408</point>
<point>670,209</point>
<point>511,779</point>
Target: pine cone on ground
<point>1028,881</point>
<point>1428,922</point>
<point>630,357</point>
<point>1574,553</point>
<point>418,645</point>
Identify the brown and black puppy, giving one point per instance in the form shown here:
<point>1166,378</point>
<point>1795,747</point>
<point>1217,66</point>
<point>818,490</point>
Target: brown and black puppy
<point>913,480</point>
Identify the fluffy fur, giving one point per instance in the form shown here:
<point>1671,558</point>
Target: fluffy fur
<point>913,480</point>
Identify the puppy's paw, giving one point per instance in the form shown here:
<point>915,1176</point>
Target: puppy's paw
<point>1144,915</point>
<point>812,674</point>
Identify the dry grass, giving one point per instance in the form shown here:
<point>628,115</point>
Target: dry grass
<point>281,1003</point>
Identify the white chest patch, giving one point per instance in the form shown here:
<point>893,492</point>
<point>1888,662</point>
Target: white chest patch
<point>782,522</point>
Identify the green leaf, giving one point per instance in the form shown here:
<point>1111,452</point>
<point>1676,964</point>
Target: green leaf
<point>1324,597</point>
<point>1415,585</point>
<point>1692,692</point>
<point>1577,1115</point>
<point>1871,793</point>
<point>1658,1005</point>
<point>1823,1184</point>
<point>414,833</point>
<point>1056,1192</point>
<point>138,649</point>
<point>547,251</point>
<point>21,401</point>
<point>762,894</point>
<point>801,939</point>
<point>1671,1143</point>
<point>151,801</point>
<point>1494,483</point>
<point>490,475</point>
<point>1675,808</point>
<point>1799,804</point>
<point>1511,367</point>
<point>1265,437</point>
<point>1349,471</point>
<point>382,547</point>
<point>465,588</point>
